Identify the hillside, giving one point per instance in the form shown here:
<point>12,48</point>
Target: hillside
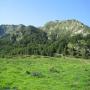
<point>70,27</point>
<point>60,27</point>
<point>69,37</point>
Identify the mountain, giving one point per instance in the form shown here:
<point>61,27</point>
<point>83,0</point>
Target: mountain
<point>21,32</point>
<point>68,27</point>
<point>69,37</point>
<point>57,28</point>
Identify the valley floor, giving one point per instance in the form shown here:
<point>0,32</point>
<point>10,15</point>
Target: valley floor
<point>44,73</point>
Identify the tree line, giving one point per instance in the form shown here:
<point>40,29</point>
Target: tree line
<point>37,43</point>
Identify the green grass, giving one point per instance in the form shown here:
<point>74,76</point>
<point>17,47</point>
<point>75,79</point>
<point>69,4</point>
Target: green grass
<point>44,73</point>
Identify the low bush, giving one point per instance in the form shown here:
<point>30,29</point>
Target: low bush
<point>37,74</point>
<point>27,72</point>
<point>54,70</point>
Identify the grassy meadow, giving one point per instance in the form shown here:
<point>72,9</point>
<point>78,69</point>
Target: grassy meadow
<point>44,73</point>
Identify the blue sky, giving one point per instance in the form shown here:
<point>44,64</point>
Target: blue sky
<point>38,12</point>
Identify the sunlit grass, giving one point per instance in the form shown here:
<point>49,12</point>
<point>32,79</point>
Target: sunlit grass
<point>44,73</point>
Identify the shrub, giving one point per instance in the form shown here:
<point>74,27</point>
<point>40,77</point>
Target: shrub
<point>86,69</point>
<point>27,72</point>
<point>37,74</point>
<point>4,88</point>
<point>54,70</point>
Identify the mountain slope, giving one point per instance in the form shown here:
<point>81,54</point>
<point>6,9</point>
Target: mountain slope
<point>72,27</point>
<point>21,32</point>
<point>68,27</point>
<point>70,38</point>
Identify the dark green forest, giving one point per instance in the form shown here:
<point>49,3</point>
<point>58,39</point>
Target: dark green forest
<point>55,38</point>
